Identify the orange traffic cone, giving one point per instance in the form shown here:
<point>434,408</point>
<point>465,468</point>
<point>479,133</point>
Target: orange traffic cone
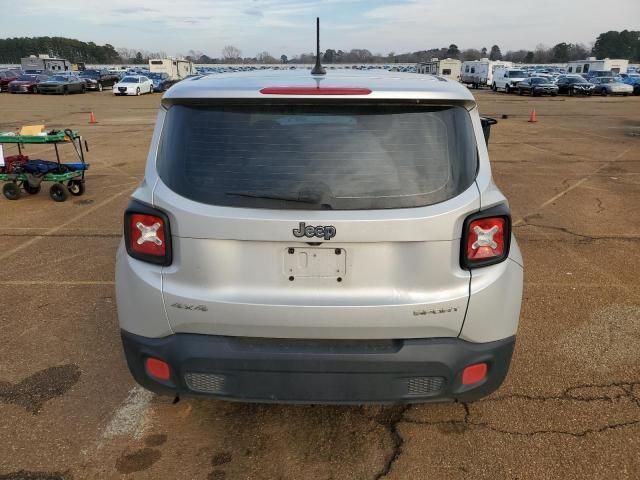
<point>92,119</point>
<point>532,117</point>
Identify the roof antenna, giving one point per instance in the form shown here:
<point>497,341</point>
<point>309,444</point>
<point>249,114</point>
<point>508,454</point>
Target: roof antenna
<point>318,69</point>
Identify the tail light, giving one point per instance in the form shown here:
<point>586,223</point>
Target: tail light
<point>486,238</point>
<point>147,234</point>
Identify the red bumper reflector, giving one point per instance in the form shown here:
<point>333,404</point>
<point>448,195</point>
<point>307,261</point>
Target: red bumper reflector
<point>314,91</point>
<point>474,373</point>
<point>158,369</point>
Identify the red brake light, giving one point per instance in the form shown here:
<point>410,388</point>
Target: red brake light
<point>314,91</point>
<point>485,238</point>
<point>147,235</point>
<point>158,369</point>
<point>474,373</point>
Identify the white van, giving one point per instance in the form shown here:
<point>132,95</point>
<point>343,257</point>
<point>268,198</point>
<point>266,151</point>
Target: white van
<point>506,78</point>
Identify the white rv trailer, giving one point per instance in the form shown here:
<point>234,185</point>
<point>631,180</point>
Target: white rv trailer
<point>43,63</point>
<point>479,73</point>
<point>448,67</point>
<point>176,69</point>
<point>592,64</point>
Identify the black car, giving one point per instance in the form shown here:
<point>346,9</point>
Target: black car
<point>98,79</point>
<point>537,86</point>
<point>575,85</point>
<point>62,84</point>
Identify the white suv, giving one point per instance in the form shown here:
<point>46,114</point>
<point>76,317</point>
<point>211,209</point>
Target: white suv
<point>305,238</point>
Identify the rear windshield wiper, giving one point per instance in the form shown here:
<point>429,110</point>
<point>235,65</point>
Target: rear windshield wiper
<point>301,197</point>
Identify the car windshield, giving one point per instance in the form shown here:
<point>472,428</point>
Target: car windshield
<point>577,80</point>
<point>26,78</point>
<point>90,73</point>
<point>156,76</point>
<point>318,156</point>
<point>129,80</point>
<point>606,80</point>
<point>539,80</point>
<point>517,74</point>
<point>59,78</point>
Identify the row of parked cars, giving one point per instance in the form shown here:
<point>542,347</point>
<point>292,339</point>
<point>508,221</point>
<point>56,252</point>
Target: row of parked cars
<point>15,81</point>
<point>513,80</point>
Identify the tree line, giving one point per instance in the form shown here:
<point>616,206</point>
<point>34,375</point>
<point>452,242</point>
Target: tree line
<point>13,49</point>
<point>612,44</point>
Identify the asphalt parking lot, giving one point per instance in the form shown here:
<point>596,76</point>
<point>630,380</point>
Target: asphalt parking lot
<point>569,409</point>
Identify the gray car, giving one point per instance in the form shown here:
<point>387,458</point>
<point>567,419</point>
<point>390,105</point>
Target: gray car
<point>328,238</point>
<point>611,86</point>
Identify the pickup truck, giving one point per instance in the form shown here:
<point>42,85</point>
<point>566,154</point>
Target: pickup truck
<point>98,79</point>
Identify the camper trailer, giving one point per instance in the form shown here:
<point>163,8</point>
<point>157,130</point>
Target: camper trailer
<point>43,63</point>
<point>176,69</point>
<point>604,65</point>
<point>479,73</point>
<point>448,67</point>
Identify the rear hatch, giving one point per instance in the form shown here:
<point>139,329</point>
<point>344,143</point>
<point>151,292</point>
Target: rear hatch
<point>316,219</point>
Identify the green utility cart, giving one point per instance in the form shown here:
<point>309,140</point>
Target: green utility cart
<point>22,173</point>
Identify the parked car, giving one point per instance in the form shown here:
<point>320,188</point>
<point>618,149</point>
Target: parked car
<point>27,83</point>
<point>98,79</point>
<point>610,86</point>
<point>507,78</point>
<point>265,257</point>
<point>7,76</point>
<point>62,84</point>
<point>574,85</point>
<point>633,79</point>
<point>133,85</point>
<point>161,81</point>
<point>537,86</point>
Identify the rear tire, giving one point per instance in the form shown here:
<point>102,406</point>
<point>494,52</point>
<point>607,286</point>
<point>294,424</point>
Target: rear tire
<point>138,92</point>
<point>58,192</point>
<point>507,88</point>
<point>100,87</point>
<point>11,191</point>
<point>65,91</point>
<point>493,87</point>
<point>76,187</point>
<point>520,91</point>
<point>604,92</point>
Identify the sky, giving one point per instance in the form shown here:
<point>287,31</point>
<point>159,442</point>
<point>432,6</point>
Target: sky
<point>287,26</point>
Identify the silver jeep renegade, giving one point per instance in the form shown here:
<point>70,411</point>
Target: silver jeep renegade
<point>306,238</point>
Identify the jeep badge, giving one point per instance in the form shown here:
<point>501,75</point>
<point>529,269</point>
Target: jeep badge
<point>309,231</point>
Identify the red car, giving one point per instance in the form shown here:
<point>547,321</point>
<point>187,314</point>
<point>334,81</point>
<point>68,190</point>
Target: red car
<point>27,83</point>
<point>6,76</point>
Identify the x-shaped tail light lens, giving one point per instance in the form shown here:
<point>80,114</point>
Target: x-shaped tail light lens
<point>147,235</point>
<point>486,238</point>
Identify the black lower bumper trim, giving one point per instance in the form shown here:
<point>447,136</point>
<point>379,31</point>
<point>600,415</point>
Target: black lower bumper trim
<point>322,371</point>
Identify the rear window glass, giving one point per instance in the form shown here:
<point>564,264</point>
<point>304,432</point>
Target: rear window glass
<point>318,156</point>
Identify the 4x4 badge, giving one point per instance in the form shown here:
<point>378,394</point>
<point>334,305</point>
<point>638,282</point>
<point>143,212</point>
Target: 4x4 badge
<point>309,231</point>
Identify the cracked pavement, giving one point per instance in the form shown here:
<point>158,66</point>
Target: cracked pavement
<point>569,409</point>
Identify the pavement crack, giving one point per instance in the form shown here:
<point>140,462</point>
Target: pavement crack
<point>391,423</point>
<point>576,234</point>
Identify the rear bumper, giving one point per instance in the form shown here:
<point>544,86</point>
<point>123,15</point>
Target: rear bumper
<point>318,371</point>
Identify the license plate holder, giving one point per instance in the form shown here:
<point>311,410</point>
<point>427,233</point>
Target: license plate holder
<point>315,262</point>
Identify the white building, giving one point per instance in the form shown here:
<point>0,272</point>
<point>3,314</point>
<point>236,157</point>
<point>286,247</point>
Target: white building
<point>448,67</point>
<point>591,64</point>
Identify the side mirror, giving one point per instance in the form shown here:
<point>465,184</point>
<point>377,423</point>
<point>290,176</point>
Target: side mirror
<point>486,127</point>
